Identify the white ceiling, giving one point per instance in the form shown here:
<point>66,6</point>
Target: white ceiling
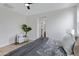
<point>36,8</point>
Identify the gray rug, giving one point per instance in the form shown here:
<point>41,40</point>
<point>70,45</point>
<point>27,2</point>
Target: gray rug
<point>30,49</point>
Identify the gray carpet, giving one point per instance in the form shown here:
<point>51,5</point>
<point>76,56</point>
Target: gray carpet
<point>30,49</point>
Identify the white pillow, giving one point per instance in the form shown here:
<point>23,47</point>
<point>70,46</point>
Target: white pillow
<point>67,43</point>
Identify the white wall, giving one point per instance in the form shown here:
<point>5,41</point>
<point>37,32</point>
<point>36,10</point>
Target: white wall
<point>58,23</point>
<point>78,21</point>
<point>32,22</point>
<point>9,25</point>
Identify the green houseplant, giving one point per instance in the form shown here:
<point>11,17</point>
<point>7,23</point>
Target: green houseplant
<point>26,28</point>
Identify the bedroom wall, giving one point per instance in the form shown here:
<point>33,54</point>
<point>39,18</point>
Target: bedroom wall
<point>32,22</point>
<point>58,23</point>
<point>9,25</point>
<point>78,21</point>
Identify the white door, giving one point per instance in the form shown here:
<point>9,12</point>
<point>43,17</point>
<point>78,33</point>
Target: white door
<point>41,26</point>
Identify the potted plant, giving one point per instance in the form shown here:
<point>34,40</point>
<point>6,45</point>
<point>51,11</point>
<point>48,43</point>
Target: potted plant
<point>26,29</point>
